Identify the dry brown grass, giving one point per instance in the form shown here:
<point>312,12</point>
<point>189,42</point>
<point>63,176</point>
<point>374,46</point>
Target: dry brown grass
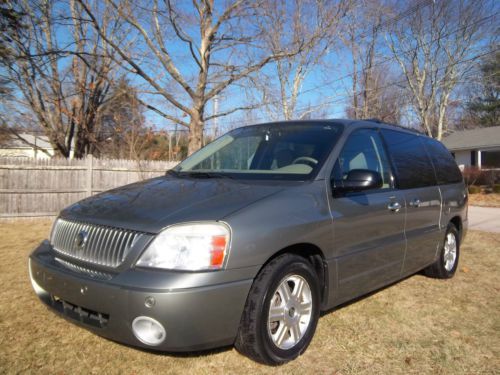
<point>419,325</point>
<point>485,200</point>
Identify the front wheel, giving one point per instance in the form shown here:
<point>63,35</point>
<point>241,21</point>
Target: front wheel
<point>447,262</point>
<point>281,312</point>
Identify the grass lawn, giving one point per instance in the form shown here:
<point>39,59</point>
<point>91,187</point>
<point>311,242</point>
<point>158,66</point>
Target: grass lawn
<point>419,326</point>
<point>485,200</point>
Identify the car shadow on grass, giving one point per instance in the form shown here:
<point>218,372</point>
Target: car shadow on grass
<point>227,348</point>
<point>186,354</point>
<point>369,294</point>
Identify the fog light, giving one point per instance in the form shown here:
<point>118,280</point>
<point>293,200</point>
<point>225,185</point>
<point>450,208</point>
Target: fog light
<point>148,330</point>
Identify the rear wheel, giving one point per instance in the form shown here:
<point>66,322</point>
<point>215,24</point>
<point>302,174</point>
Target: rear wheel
<point>281,312</point>
<point>447,263</point>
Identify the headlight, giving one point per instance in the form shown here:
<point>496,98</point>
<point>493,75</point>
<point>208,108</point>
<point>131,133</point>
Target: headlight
<point>190,247</point>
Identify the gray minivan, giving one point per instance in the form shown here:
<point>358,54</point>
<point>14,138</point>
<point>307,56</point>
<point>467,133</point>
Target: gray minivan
<point>247,240</point>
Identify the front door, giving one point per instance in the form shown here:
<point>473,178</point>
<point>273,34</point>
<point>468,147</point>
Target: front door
<point>368,226</point>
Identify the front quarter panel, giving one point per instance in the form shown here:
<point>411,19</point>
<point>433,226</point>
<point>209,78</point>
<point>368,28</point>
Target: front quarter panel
<point>294,216</point>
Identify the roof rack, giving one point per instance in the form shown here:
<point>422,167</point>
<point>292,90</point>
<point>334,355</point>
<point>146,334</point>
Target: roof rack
<point>374,120</point>
<point>378,121</point>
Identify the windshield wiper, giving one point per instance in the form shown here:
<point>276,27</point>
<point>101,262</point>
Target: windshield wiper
<point>208,175</point>
<point>172,172</point>
<point>193,174</point>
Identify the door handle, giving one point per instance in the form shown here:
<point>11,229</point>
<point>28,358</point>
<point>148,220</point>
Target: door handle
<point>394,206</point>
<point>415,203</point>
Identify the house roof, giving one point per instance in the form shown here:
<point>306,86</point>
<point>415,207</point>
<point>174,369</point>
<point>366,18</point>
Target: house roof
<point>31,139</point>
<point>473,139</point>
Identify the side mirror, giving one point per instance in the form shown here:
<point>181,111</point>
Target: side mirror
<point>359,180</point>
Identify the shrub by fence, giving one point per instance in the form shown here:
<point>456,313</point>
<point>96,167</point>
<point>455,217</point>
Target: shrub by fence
<point>42,187</point>
<point>485,176</point>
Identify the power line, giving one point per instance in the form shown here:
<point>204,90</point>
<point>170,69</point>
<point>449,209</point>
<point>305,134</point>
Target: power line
<point>347,98</point>
<point>397,18</point>
<point>400,16</point>
<point>385,60</point>
<point>388,59</point>
<point>329,83</point>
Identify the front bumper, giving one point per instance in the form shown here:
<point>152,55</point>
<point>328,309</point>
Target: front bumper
<point>199,310</point>
<point>465,229</point>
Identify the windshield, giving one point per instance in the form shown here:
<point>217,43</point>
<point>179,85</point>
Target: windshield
<point>274,151</point>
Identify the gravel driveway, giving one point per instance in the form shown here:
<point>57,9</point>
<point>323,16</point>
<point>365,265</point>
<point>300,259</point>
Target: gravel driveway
<point>484,218</point>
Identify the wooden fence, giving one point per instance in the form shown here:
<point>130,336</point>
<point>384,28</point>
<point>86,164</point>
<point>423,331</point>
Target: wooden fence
<point>42,187</point>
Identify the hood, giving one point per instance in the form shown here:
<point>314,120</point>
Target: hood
<point>151,205</point>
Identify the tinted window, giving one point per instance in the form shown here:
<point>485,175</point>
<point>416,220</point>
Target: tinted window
<point>363,150</point>
<point>447,171</point>
<point>413,166</point>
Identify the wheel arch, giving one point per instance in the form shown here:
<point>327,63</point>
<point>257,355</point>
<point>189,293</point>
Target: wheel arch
<point>315,256</point>
<point>457,222</point>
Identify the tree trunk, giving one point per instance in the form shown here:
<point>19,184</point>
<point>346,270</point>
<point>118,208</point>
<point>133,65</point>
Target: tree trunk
<point>196,125</point>
<point>442,113</point>
<point>81,144</point>
<point>427,125</point>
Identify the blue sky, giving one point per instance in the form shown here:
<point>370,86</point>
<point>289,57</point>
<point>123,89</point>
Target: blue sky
<point>329,84</point>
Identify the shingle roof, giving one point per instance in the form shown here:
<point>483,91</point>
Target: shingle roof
<point>473,139</point>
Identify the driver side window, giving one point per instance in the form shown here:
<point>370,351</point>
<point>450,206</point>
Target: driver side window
<point>363,150</point>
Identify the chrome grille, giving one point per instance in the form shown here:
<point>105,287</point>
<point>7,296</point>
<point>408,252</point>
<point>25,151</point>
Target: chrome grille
<point>102,245</point>
<point>86,271</point>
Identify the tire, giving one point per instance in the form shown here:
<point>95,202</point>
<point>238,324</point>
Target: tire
<point>287,337</point>
<point>447,262</point>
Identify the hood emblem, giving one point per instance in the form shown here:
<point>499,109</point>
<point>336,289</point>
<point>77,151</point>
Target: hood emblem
<point>81,239</point>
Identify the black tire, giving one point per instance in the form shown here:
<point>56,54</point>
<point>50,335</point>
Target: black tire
<point>438,270</point>
<point>254,339</point>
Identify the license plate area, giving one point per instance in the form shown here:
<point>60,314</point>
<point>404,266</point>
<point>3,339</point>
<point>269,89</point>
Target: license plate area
<point>81,314</point>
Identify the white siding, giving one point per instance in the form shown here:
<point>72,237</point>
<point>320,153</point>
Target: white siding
<point>462,158</point>
<point>25,152</point>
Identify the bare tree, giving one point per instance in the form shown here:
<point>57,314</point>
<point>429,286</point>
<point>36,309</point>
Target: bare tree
<point>316,24</point>
<point>10,21</point>
<point>433,48</point>
<point>354,43</point>
<point>363,51</point>
<point>378,97</point>
<point>122,123</point>
<point>373,92</point>
<point>483,106</point>
<point>62,70</point>
<point>188,53</point>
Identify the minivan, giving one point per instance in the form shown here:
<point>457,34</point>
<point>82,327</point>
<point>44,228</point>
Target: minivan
<point>247,240</point>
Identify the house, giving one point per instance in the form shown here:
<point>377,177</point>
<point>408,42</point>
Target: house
<point>27,145</point>
<point>478,147</point>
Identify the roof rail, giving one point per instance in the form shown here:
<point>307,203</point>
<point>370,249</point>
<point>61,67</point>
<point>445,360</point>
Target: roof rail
<point>395,125</point>
<point>374,120</point>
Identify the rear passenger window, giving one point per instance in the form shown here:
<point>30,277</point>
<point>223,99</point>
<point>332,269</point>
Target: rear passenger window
<point>363,150</point>
<point>413,166</point>
<point>447,171</point>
